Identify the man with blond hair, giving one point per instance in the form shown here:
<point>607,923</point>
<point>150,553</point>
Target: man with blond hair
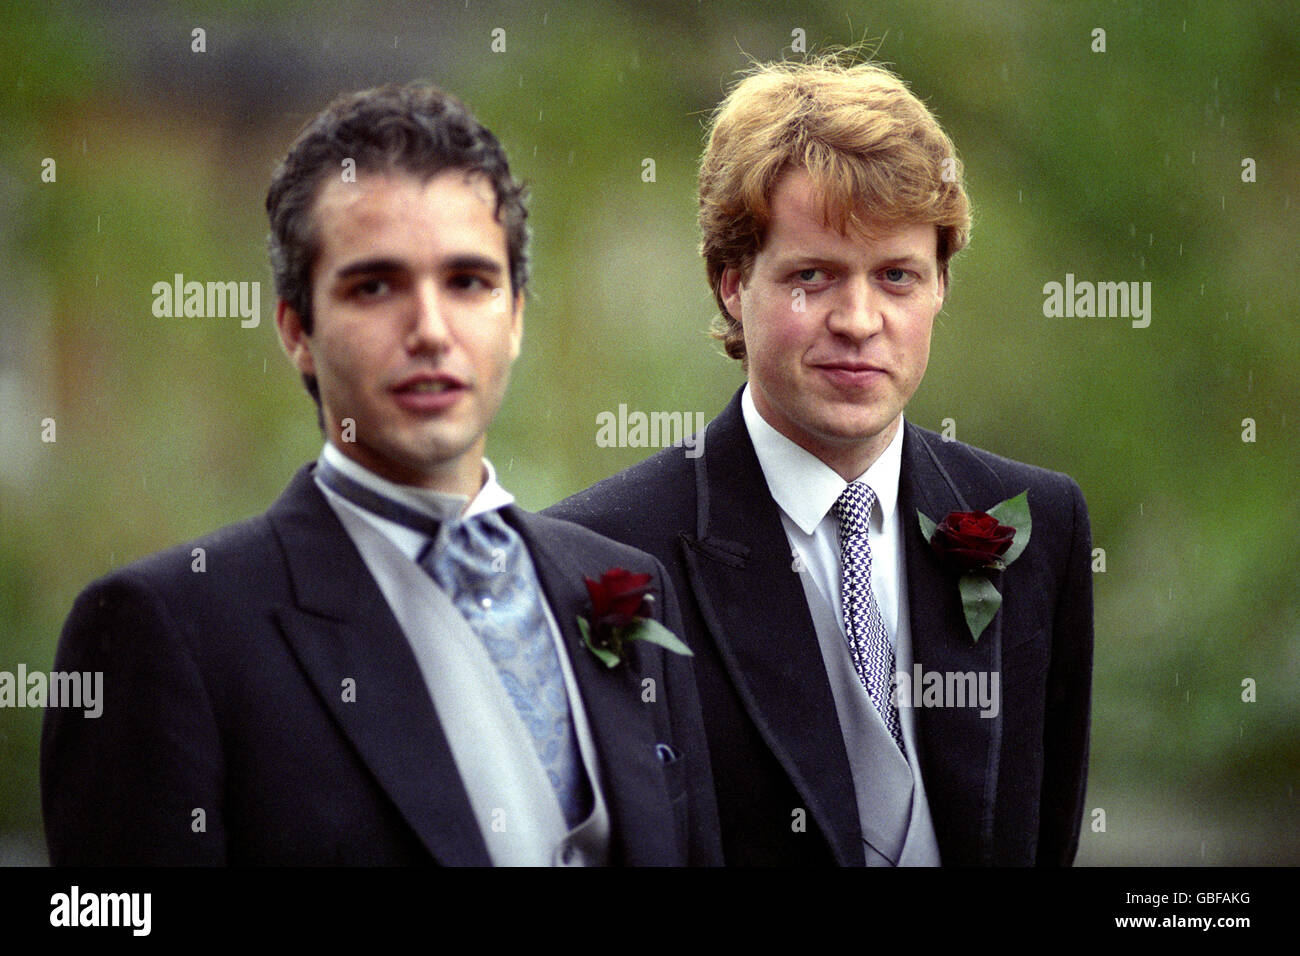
<point>890,674</point>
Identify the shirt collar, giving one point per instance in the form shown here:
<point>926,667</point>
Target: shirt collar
<point>438,504</point>
<point>804,486</point>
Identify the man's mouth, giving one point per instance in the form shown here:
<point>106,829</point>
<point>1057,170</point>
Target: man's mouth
<point>428,392</point>
<point>851,374</point>
<point>428,382</point>
<point>850,365</point>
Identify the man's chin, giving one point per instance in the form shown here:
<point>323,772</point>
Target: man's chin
<point>419,460</point>
<point>849,431</point>
<point>842,440</point>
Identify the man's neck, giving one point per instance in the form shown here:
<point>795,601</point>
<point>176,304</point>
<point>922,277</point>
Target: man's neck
<point>391,485</point>
<point>847,459</point>
<point>852,461</point>
<point>465,477</point>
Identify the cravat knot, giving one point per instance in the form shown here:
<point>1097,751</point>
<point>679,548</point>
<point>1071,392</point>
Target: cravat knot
<point>470,556</point>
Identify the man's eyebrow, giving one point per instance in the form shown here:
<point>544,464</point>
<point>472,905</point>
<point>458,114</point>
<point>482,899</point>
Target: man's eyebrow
<point>791,259</point>
<point>820,259</point>
<point>907,259</point>
<point>462,263</point>
<point>475,263</point>
<point>369,267</point>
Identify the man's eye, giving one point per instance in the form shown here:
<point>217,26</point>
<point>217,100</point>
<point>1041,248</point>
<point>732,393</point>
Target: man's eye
<point>371,288</point>
<point>896,275</point>
<point>471,282</point>
<point>809,275</point>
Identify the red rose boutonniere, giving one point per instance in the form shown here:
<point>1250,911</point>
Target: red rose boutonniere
<point>977,543</point>
<point>620,609</point>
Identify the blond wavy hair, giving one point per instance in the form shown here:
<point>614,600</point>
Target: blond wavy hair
<point>870,146</point>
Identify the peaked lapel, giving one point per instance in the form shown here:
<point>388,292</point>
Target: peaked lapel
<point>624,734</point>
<point>741,571</point>
<point>959,748</point>
<point>341,627</point>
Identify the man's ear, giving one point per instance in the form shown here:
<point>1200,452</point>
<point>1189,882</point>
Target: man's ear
<point>293,337</point>
<point>729,291</point>
<point>517,326</point>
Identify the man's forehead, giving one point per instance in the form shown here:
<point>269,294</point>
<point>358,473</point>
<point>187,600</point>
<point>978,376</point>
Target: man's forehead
<point>370,187</point>
<point>816,240</point>
<point>800,208</point>
<point>363,222</point>
<point>341,212</point>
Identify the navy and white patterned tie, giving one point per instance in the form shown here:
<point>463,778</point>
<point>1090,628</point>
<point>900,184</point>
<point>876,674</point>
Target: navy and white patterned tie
<point>484,567</point>
<point>869,644</point>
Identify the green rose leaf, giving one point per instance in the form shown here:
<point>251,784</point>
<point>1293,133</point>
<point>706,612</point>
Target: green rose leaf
<point>1014,513</point>
<point>607,657</point>
<point>647,629</point>
<point>927,526</point>
<point>980,600</point>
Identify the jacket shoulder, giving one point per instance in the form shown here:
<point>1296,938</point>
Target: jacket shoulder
<point>577,541</point>
<point>657,492</point>
<point>209,577</point>
<point>245,543</point>
<point>981,471</point>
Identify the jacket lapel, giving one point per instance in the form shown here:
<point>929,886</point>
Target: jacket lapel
<point>624,735</point>
<point>341,628</point>
<point>742,573</point>
<point>959,748</point>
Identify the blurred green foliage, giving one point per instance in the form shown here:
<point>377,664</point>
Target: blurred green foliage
<point>1117,166</point>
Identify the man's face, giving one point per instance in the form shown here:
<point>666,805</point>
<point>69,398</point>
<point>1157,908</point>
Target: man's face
<point>415,327</point>
<point>837,327</point>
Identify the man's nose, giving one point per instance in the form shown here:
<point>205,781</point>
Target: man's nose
<point>429,329</point>
<point>859,311</point>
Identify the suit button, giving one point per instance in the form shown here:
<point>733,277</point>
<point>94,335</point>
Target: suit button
<point>567,854</point>
<point>486,603</point>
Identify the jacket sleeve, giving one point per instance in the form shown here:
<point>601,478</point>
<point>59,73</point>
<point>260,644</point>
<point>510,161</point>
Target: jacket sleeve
<point>1069,693</point>
<point>139,784</point>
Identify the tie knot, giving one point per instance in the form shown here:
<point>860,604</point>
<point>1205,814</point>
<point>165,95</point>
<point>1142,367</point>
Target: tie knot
<point>853,508</point>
